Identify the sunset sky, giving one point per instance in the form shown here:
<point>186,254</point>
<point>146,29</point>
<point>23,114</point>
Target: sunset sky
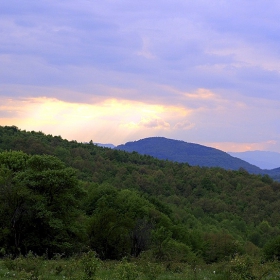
<point>113,71</point>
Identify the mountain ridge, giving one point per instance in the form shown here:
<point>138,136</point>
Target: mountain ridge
<point>191,153</point>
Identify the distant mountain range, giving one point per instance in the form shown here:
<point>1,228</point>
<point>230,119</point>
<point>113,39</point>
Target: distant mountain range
<point>111,146</point>
<point>193,154</point>
<point>262,159</point>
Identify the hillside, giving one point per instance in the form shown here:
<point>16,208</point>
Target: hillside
<point>140,197</point>
<point>193,154</point>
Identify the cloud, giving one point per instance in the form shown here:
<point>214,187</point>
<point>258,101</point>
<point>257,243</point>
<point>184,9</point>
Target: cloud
<point>186,125</point>
<point>192,70</point>
<point>156,123</point>
<point>240,147</point>
<point>82,121</point>
<point>184,44</point>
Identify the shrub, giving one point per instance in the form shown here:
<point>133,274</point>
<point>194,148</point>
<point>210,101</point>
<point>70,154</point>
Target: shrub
<point>90,264</point>
<point>27,267</point>
<point>152,270</point>
<point>272,249</point>
<point>241,268</point>
<point>126,270</point>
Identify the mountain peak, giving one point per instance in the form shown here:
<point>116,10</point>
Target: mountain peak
<point>191,153</point>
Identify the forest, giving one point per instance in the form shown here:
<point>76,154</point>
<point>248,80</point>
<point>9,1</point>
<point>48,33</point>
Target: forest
<point>68,199</point>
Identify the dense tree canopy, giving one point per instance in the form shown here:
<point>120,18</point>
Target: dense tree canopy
<point>64,196</point>
<point>39,204</point>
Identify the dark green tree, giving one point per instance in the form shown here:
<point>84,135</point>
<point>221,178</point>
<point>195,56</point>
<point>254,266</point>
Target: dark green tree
<point>272,249</point>
<point>39,206</point>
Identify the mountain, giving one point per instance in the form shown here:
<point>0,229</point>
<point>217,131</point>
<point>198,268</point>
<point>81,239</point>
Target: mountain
<point>262,159</point>
<point>193,154</point>
<point>111,146</point>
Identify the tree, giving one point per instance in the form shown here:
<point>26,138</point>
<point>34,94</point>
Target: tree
<point>109,234</point>
<point>39,204</point>
<point>220,246</point>
<point>272,249</point>
<point>119,224</point>
<point>161,236</point>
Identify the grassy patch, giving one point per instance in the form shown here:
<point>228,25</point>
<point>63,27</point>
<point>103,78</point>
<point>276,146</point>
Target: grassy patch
<point>89,267</point>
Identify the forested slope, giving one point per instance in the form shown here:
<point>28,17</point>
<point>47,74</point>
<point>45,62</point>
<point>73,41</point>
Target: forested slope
<point>129,203</point>
<point>191,153</point>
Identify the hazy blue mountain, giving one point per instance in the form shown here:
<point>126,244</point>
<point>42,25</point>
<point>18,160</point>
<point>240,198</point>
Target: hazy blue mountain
<point>274,173</point>
<point>262,159</point>
<point>111,146</point>
<point>193,154</point>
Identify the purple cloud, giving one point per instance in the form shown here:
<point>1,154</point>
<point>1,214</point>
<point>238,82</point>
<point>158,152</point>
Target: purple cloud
<point>149,51</point>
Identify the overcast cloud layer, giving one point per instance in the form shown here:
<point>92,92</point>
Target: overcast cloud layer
<point>115,71</point>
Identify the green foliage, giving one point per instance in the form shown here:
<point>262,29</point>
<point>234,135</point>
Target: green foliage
<point>59,196</point>
<point>90,264</point>
<point>28,268</point>
<point>126,270</point>
<point>272,249</point>
<point>152,270</point>
<point>120,222</point>
<point>161,237</point>
<point>39,205</point>
<point>33,267</point>
<point>220,246</point>
<point>179,252</point>
<point>241,269</point>
<point>14,160</point>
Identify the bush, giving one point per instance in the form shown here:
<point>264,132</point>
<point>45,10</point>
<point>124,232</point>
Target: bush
<point>272,249</point>
<point>241,268</point>
<point>90,264</point>
<point>27,267</point>
<point>179,252</point>
<point>152,270</point>
<point>126,270</point>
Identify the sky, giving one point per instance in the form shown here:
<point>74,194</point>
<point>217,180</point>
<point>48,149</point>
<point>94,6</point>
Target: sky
<point>114,71</point>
